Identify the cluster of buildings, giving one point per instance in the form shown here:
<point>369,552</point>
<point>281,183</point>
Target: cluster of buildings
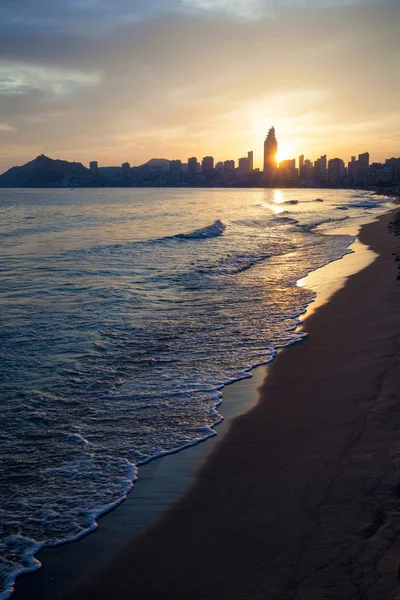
<point>322,172</point>
<point>288,173</point>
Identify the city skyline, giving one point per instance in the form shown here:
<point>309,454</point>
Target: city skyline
<point>106,79</point>
<point>359,172</point>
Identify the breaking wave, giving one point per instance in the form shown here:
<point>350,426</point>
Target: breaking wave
<point>215,230</point>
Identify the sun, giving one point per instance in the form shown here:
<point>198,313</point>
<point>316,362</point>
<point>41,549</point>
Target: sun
<point>284,152</point>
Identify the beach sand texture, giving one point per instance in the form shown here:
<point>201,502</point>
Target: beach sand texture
<point>301,498</point>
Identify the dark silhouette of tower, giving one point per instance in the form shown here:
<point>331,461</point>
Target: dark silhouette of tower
<point>270,151</point>
<point>192,165</point>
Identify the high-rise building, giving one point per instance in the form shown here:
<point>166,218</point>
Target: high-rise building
<point>301,161</point>
<point>306,171</point>
<point>207,165</point>
<point>175,167</point>
<point>244,165</point>
<point>352,168</point>
<point>250,156</point>
<point>363,160</point>
<point>229,165</point>
<point>336,171</point>
<point>287,169</point>
<point>93,166</point>
<point>270,151</point>
<point>192,165</point>
<point>320,169</point>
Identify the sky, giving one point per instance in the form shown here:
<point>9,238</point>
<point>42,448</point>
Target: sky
<point>129,80</point>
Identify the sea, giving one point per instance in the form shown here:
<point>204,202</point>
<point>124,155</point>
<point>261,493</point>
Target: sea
<point>123,314</point>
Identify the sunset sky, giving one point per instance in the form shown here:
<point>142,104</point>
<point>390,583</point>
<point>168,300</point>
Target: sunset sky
<point>128,80</point>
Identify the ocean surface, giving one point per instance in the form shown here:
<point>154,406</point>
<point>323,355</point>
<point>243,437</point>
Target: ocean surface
<point>123,313</point>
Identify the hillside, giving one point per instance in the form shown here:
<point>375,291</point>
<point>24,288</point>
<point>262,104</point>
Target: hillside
<point>44,171</point>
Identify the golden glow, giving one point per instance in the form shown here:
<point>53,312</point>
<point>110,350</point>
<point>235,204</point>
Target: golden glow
<point>278,196</point>
<point>285,151</point>
<point>277,207</point>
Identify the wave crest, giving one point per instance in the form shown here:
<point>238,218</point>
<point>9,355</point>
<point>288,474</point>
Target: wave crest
<point>216,229</point>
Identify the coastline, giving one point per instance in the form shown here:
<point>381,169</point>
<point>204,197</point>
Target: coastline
<point>240,392</point>
<point>300,498</point>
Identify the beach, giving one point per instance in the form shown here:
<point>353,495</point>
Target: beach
<point>300,499</point>
<point>297,498</point>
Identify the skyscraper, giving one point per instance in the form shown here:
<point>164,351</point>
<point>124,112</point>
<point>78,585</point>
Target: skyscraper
<point>192,165</point>
<point>244,165</point>
<point>207,165</point>
<point>229,165</point>
<point>250,156</point>
<point>363,159</point>
<point>175,167</point>
<point>336,171</point>
<point>320,169</point>
<point>270,151</point>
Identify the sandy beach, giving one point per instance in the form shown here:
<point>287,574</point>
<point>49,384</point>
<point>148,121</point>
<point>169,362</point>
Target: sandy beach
<point>299,500</point>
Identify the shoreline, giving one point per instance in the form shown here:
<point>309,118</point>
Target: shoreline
<point>300,498</point>
<point>180,473</point>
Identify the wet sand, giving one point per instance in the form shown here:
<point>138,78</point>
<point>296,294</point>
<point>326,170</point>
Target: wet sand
<point>301,498</point>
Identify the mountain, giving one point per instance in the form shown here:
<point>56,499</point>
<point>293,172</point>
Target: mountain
<point>45,172</point>
<point>162,163</point>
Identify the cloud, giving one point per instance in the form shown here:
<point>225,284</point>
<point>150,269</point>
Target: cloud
<point>129,80</point>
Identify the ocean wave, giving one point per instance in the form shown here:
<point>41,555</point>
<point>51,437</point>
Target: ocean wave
<point>364,204</point>
<point>214,230</point>
<point>284,221</point>
<point>313,225</point>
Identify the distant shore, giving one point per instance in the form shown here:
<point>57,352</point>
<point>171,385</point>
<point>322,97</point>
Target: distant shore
<point>300,499</point>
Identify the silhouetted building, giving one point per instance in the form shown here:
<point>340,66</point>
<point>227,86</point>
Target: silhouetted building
<point>336,171</point>
<point>394,163</point>
<point>229,165</point>
<point>192,165</point>
<point>250,156</point>
<point>373,170</point>
<point>301,161</point>
<point>207,165</point>
<point>352,167</point>
<point>175,167</point>
<point>382,175</point>
<point>363,160</point>
<point>244,165</point>
<point>287,170</point>
<point>219,166</point>
<point>126,169</point>
<point>93,166</point>
<point>270,151</point>
<point>358,170</point>
<point>306,171</point>
<point>320,169</point>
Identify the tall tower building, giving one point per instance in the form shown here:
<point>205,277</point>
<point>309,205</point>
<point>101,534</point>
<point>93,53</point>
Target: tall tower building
<point>363,159</point>
<point>250,156</point>
<point>207,165</point>
<point>192,165</point>
<point>270,151</point>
